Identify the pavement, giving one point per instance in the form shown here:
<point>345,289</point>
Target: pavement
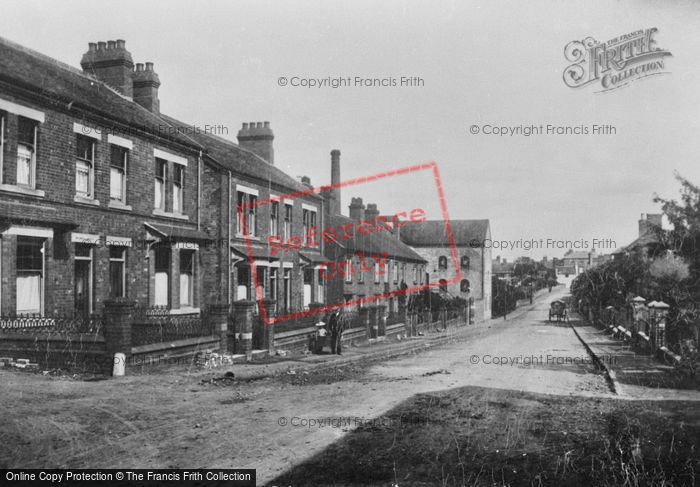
<point>633,375</point>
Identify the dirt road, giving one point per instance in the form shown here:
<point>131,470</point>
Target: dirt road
<point>175,420</point>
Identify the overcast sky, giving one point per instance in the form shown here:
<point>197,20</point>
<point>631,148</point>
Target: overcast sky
<point>497,63</point>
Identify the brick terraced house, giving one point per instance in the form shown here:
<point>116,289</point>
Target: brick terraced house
<point>372,264</point>
<point>102,196</point>
<point>95,201</point>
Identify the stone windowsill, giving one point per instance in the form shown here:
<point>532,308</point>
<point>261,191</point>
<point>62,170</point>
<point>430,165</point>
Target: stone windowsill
<point>22,190</point>
<point>179,216</point>
<point>184,311</point>
<point>253,238</point>
<point>118,205</point>
<point>86,201</point>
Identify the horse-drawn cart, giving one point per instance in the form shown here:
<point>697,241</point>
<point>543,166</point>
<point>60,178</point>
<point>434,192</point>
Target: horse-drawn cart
<point>558,310</point>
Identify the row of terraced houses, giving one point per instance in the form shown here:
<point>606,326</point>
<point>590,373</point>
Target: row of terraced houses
<point>103,196</point>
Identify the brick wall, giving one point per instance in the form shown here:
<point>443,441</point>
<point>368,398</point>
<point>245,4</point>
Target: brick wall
<point>55,176</point>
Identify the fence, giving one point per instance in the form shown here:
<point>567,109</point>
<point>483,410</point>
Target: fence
<point>645,326</point>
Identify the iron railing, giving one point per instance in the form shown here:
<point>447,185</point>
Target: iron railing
<point>157,325</point>
<point>29,323</point>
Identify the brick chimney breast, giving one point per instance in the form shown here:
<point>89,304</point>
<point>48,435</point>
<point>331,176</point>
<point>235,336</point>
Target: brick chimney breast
<point>110,63</point>
<point>257,137</point>
<point>146,83</point>
<point>357,209</point>
<point>371,213</point>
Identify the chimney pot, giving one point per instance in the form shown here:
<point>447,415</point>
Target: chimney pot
<point>251,125</point>
<point>149,66</point>
<point>139,66</point>
<point>245,126</point>
<point>121,44</point>
<point>112,66</point>
<point>267,125</point>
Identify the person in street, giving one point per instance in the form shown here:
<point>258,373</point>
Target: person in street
<point>320,338</point>
<point>336,327</point>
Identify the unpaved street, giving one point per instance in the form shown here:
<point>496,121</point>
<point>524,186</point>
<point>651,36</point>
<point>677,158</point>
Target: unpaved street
<point>175,420</point>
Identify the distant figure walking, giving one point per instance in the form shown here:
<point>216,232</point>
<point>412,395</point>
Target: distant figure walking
<point>336,325</point>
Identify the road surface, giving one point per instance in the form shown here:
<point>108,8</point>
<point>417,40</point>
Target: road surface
<point>175,421</point>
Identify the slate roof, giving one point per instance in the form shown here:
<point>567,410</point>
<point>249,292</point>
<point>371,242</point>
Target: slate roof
<point>241,161</point>
<point>432,233</point>
<point>376,243</point>
<point>43,75</point>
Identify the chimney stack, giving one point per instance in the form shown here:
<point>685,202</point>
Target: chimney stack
<point>357,209</point>
<point>335,204</point>
<point>146,84</point>
<point>110,63</point>
<point>257,138</point>
<point>371,213</point>
<point>650,223</point>
<point>306,181</point>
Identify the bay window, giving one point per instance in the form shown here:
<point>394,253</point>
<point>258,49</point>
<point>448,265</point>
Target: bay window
<point>187,264</point>
<point>30,275</point>
<point>117,272</point>
<point>162,276</point>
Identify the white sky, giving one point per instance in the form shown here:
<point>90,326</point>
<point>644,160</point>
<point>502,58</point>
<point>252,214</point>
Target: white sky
<point>499,63</point>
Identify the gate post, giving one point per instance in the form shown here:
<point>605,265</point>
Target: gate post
<point>218,314</point>
<point>117,332</point>
<point>243,317</point>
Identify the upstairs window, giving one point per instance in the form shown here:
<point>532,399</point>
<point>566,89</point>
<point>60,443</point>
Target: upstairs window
<point>465,262</point>
<point>348,271</point>
<point>26,152</point>
<point>288,221</point>
<point>443,285</point>
<point>274,218</point>
<point>178,188</point>
<point>117,173</point>
<point>309,222</point>
<point>85,167</point>
<point>442,262</point>
<point>464,286</point>
<point>247,209</point>
<point>161,179</point>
